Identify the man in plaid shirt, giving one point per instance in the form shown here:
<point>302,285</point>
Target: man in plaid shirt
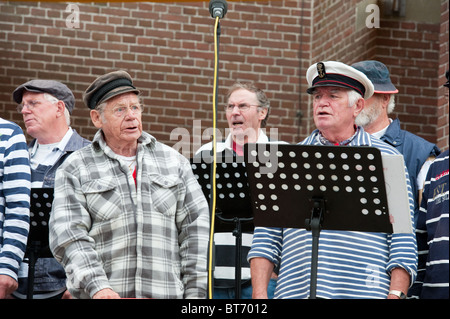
<point>129,218</point>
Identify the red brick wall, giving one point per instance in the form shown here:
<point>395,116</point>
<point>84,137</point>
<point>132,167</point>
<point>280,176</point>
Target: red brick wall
<point>168,50</point>
<point>415,52</point>
<point>411,50</point>
<point>334,37</point>
<point>442,128</point>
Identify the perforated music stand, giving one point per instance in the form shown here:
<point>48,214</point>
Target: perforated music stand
<point>38,246</point>
<point>318,187</point>
<point>233,206</point>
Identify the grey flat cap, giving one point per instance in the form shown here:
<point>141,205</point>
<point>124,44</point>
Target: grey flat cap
<point>55,88</point>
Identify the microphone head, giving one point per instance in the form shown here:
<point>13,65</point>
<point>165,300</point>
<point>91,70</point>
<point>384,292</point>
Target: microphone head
<point>218,8</point>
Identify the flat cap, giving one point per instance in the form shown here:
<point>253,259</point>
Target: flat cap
<point>107,86</point>
<point>378,73</point>
<point>54,88</point>
<point>332,73</point>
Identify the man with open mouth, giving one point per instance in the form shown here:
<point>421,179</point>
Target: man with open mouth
<point>352,264</point>
<point>247,110</point>
<point>129,218</point>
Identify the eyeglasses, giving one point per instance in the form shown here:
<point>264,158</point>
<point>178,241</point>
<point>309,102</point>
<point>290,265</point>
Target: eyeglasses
<point>242,107</point>
<point>121,111</point>
<point>30,105</point>
<point>34,103</point>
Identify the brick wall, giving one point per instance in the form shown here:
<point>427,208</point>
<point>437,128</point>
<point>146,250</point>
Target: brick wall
<point>335,36</point>
<point>413,52</point>
<point>416,54</point>
<point>168,50</point>
<point>166,47</point>
<point>442,125</point>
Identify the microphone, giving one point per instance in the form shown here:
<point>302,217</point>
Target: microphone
<point>218,8</point>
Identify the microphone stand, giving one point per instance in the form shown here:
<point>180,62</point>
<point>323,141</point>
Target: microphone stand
<point>217,9</point>
<point>237,232</point>
<point>212,197</point>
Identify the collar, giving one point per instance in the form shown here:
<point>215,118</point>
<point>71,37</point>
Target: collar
<point>228,144</point>
<point>393,133</point>
<point>61,145</point>
<point>324,141</point>
<point>381,132</point>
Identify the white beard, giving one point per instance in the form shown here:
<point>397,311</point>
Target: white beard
<point>368,115</point>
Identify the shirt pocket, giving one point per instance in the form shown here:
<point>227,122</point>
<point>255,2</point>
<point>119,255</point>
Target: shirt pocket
<point>163,191</point>
<point>102,198</point>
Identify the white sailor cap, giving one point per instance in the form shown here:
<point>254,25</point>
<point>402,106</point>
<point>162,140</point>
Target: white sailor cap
<point>333,73</point>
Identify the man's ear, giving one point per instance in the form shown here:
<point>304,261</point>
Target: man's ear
<point>61,108</point>
<point>359,106</point>
<point>96,118</point>
<point>385,99</point>
<point>262,114</point>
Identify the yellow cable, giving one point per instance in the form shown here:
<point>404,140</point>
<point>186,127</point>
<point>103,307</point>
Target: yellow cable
<point>213,177</point>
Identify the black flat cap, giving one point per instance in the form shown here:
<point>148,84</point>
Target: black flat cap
<point>107,86</point>
<point>54,88</point>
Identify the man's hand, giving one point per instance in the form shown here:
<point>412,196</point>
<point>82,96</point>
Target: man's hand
<point>66,295</point>
<point>106,293</point>
<point>400,280</point>
<point>7,286</point>
<point>261,270</point>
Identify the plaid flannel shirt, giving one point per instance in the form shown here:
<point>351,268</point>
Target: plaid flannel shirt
<point>147,240</point>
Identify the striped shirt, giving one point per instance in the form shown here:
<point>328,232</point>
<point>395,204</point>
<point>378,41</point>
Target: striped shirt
<point>225,242</point>
<point>350,264</point>
<point>433,234</point>
<point>14,197</point>
<point>143,240</point>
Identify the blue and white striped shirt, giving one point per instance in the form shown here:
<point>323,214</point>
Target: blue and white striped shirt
<point>14,197</point>
<point>350,264</point>
<point>433,234</point>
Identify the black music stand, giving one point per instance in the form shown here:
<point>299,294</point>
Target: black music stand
<point>233,206</point>
<point>38,245</point>
<point>313,186</point>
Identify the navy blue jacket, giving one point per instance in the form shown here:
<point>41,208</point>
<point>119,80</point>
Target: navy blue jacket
<point>415,151</point>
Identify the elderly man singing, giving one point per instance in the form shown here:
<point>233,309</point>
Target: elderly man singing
<point>351,264</point>
<point>129,218</point>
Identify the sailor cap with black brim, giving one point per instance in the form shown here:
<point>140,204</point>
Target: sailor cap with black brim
<point>338,74</point>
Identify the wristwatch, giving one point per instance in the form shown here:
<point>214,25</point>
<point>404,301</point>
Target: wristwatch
<point>397,293</point>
